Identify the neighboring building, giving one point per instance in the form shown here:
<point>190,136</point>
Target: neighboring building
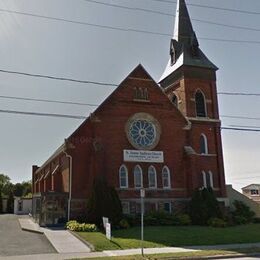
<point>234,195</point>
<point>22,206</point>
<point>252,191</point>
<point>165,138</point>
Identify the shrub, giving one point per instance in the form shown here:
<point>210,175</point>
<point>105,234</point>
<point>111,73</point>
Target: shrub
<point>10,203</point>
<point>217,222</point>
<point>103,202</point>
<point>204,206</point>
<point>124,224</point>
<point>242,213</point>
<point>256,220</point>
<point>73,225</point>
<point>184,219</point>
<point>1,202</point>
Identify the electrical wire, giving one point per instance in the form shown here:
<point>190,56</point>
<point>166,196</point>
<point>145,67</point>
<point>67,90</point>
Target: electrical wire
<point>128,29</point>
<point>171,15</point>
<point>212,7</point>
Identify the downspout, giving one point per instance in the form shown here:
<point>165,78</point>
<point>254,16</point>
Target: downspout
<point>70,181</point>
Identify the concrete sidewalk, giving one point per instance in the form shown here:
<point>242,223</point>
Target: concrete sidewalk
<point>62,240</point>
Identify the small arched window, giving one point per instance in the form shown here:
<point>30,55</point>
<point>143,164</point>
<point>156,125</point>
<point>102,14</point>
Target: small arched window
<point>175,100</point>
<point>166,180</point>
<point>207,179</point>
<point>152,178</point>
<point>138,177</point>
<point>123,177</point>
<point>200,104</point>
<point>203,144</point>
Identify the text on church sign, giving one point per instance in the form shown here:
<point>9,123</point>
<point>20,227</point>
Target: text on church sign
<point>143,156</point>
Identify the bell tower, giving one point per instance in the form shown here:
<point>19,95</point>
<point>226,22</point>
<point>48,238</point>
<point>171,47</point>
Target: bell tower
<point>189,80</point>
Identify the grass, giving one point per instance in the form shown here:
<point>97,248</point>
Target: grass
<point>174,236</point>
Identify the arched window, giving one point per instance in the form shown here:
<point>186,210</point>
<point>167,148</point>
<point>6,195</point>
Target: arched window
<point>123,177</point>
<point>175,100</point>
<point>200,104</point>
<point>152,178</point>
<point>203,144</point>
<point>138,177</point>
<point>166,180</point>
<point>207,179</point>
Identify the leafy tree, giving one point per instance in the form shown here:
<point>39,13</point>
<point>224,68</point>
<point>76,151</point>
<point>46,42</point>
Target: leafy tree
<point>242,213</point>
<point>103,202</point>
<point>22,189</point>
<point>204,206</point>
<point>1,201</point>
<point>5,184</point>
<point>10,203</point>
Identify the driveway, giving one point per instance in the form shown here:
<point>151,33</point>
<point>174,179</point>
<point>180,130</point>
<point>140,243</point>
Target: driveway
<point>14,241</point>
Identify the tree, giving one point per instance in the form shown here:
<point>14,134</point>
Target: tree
<point>242,213</point>
<point>10,203</point>
<point>22,189</point>
<point>1,201</point>
<point>5,184</point>
<point>103,202</point>
<point>204,206</point>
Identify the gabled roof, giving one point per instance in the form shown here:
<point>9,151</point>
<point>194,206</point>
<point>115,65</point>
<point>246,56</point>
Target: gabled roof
<point>251,186</point>
<point>185,45</point>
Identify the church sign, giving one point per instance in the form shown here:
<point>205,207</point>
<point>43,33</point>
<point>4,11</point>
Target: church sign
<point>143,156</point>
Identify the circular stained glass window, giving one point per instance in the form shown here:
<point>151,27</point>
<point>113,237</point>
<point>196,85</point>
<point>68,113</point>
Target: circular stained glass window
<point>143,131</point>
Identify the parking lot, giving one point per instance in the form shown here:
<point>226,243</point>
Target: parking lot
<point>14,241</point>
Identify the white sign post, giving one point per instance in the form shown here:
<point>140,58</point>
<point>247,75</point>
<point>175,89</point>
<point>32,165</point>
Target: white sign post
<point>108,231</point>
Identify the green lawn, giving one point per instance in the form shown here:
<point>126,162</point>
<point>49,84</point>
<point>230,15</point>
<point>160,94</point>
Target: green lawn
<point>174,236</point>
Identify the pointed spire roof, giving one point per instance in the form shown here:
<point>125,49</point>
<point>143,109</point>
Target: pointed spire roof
<point>184,47</point>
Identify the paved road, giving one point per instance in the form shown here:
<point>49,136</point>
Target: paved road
<point>14,241</point>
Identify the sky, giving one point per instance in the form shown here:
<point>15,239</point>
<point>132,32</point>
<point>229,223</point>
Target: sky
<point>80,51</point>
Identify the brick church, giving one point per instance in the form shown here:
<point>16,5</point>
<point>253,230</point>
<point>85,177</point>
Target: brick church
<point>164,137</point>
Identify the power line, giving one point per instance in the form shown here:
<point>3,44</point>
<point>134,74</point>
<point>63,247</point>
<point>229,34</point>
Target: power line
<point>57,78</point>
<point>170,15</point>
<point>49,101</point>
<point>41,114</point>
<point>126,29</point>
<point>239,94</point>
<point>241,117</point>
<point>240,129</point>
<point>212,7</point>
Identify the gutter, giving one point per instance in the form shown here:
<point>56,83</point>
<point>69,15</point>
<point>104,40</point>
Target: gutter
<point>70,182</point>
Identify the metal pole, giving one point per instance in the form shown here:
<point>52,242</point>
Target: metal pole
<point>142,223</point>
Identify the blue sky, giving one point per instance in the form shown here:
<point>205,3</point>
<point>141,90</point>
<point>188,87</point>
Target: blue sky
<point>62,49</point>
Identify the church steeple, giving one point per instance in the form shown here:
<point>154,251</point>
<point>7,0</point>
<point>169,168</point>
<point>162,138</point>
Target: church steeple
<point>184,45</point>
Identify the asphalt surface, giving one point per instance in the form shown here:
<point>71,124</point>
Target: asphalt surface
<point>14,241</point>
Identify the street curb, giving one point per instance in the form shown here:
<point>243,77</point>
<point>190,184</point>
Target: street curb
<point>92,248</point>
<point>32,231</point>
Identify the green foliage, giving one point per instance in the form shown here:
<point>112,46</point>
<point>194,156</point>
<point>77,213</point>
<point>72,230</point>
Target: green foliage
<point>256,220</point>
<point>204,206</point>
<point>5,184</point>
<point>184,219</point>
<point>22,189</point>
<point>124,224</point>
<point>103,202</point>
<point>217,222</point>
<point>10,203</point>
<point>73,225</point>
<point>242,213</point>
<point>1,201</point>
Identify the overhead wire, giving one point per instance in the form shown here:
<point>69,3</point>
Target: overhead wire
<point>129,29</point>
<point>170,15</point>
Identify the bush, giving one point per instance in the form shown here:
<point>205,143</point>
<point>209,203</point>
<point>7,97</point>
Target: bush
<point>217,222</point>
<point>103,202</point>
<point>184,219</point>
<point>73,225</point>
<point>204,206</point>
<point>256,220</point>
<point>124,224</point>
<point>242,213</point>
